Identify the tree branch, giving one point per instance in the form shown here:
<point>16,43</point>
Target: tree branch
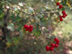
<point>5,25</point>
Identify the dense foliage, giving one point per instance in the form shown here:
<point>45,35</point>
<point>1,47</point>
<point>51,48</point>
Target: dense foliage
<point>21,19</point>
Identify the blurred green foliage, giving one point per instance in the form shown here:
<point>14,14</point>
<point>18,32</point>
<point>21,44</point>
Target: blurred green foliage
<point>40,14</point>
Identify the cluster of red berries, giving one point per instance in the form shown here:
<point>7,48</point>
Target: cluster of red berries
<point>53,45</point>
<point>63,12</point>
<point>28,28</point>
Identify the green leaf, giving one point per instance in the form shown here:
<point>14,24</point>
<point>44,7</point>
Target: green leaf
<point>36,32</point>
<point>21,33</point>
<point>56,1</point>
<point>9,40</point>
<point>40,16</point>
<point>18,18</point>
<point>43,22</point>
<point>19,28</point>
<point>37,24</point>
<point>37,18</point>
<point>12,17</point>
<point>1,23</point>
<point>1,15</point>
<point>16,40</point>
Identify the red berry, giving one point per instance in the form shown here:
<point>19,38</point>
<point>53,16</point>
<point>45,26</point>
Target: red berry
<point>27,29</point>
<point>47,48</point>
<point>31,26</point>
<point>63,16</point>
<point>57,42</point>
<point>60,16</point>
<point>30,29</point>
<point>56,39</point>
<point>57,3</point>
<point>56,45</point>
<point>51,48</point>
<point>61,19</point>
<point>63,12</point>
<point>52,44</point>
<point>25,26</point>
<point>60,6</point>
